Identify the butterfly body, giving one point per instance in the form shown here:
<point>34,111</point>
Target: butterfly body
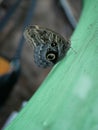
<point>49,46</point>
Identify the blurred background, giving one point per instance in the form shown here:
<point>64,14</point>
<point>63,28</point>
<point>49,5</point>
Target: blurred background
<point>19,76</point>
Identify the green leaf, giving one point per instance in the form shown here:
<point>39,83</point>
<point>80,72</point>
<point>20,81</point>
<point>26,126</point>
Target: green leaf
<point>68,98</point>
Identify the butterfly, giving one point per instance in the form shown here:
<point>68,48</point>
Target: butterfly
<point>49,46</point>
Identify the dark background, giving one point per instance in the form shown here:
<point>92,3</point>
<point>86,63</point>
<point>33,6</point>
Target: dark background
<point>47,14</point>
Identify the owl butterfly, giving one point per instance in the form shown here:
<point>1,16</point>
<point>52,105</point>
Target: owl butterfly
<point>49,46</point>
